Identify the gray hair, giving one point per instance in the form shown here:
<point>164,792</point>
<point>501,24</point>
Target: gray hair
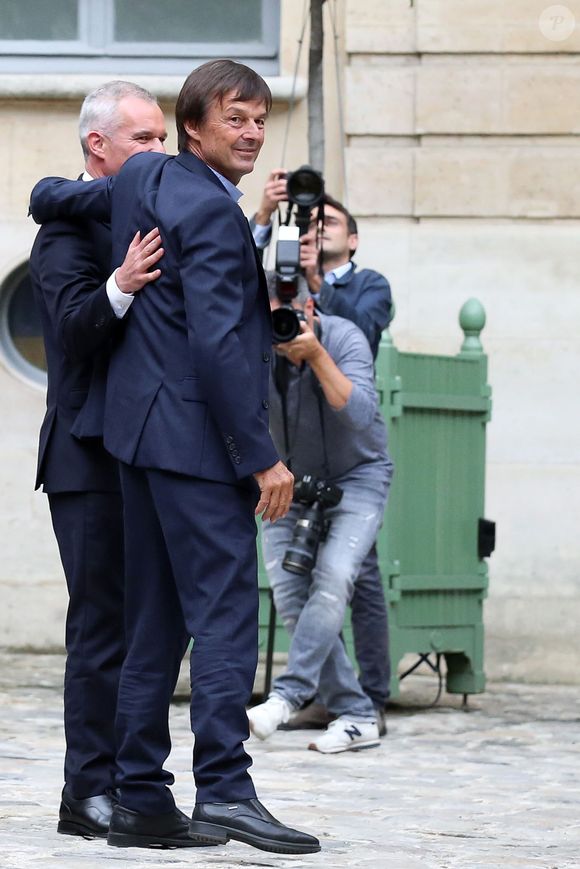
<point>302,295</point>
<point>99,108</point>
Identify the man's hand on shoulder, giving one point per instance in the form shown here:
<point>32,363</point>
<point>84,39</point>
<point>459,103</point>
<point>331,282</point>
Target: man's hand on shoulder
<point>276,491</point>
<point>142,255</point>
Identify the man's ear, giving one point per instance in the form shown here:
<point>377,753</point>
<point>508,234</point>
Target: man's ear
<point>95,143</point>
<point>191,130</point>
<point>352,243</point>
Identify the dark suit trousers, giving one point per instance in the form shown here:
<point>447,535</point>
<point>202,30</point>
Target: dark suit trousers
<point>370,629</point>
<point>89,530</point>
<point>191,572</point>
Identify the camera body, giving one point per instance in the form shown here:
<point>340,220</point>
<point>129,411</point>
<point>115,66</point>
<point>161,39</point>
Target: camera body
<point>305,190</point>
<point>311,527</point>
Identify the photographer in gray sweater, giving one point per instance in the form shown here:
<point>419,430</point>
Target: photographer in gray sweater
<point>326,423</point>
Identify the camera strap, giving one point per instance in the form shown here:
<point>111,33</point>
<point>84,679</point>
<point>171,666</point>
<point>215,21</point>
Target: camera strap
<point>319,392</point>
<point>281,378</point>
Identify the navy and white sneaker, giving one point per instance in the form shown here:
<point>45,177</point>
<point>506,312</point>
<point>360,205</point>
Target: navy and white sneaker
<point>347,735</point>
<point>265,718</point>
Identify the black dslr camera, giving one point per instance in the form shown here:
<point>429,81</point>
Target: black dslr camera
<point>311,528</point>
<point>305,190</point>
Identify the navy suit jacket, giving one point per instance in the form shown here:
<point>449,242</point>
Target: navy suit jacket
<point>69,265</point>
<point>188,384</point>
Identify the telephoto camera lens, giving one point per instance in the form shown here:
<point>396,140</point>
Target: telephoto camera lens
<point>285,324</point>
<point>305,187</point>
<point>301,555</point>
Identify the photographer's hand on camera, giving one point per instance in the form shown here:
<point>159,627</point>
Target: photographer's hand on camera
<point>309,260</point>
<point>274,193</point>
<point>276,491</point>
<point>304,348</point>
<point>307,348</point>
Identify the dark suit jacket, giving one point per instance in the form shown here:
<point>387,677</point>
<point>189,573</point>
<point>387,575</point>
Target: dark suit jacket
<point>69,264</point>
<point>364,298</point>
<point>188,385</point>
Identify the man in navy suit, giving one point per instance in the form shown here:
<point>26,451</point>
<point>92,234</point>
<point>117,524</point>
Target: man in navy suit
<point>81,310</point>
<point>187,415</point>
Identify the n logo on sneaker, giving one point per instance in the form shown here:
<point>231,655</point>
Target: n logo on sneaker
<point>352,731</point>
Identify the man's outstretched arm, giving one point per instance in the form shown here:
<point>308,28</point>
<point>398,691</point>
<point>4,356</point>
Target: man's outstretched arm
<point>59,198</point>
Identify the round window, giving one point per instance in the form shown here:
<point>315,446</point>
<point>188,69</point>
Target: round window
<point>20,326</point>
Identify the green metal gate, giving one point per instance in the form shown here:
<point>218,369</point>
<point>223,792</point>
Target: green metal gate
<point>432,544</point>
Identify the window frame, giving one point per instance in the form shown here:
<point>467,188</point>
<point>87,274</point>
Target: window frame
<point>11,355</point>
<point>96,50</point>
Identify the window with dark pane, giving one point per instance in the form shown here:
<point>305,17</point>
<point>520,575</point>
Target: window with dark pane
<point>31,19</point>
<point>23,320</point>
<point>188,21</point>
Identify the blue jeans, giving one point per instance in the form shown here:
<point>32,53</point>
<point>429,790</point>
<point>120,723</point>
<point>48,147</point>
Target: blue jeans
<point>312,607</point>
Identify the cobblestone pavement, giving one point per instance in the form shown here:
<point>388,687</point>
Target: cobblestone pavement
<point>497,786</point>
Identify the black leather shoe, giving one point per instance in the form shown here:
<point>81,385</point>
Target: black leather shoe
<point>130,829</point>
<point>88,818</point>
<point>248,821</point>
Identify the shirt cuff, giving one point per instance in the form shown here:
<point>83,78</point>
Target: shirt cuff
<point>262,234</point>
<point>120,302</point>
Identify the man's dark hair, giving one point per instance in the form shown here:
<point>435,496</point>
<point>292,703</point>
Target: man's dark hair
<point>350,221</point>
<point>212,81</point>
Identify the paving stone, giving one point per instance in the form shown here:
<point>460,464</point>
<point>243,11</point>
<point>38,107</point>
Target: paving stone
<point>495,786</point>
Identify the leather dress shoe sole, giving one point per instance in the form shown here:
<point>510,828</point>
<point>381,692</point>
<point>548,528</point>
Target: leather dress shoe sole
<point>216,834</point>
<point>132,840</point>
<point>77,828</point>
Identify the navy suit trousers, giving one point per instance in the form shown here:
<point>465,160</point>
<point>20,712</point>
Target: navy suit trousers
<point>89,530</point>
<point>191,572</point>
<point>370,628</point>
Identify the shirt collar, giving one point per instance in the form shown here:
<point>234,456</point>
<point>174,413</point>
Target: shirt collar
<point>339,271</point>
<point>87,176</point>
<point>233,191</point>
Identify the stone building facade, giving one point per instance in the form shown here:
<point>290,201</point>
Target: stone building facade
<point>461,122</point>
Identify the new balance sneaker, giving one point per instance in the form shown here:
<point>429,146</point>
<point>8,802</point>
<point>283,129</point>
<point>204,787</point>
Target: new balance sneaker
<point>265,718</point>
<point>346,735</point>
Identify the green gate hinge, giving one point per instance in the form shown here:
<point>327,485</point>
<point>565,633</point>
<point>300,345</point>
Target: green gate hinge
<point>396,408</point>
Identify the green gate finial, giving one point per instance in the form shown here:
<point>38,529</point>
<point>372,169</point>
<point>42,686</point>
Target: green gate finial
<point>472,321</point>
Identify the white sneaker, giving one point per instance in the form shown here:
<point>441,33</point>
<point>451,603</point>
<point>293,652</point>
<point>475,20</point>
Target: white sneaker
<point>265,718</point>
<point>346,735</point>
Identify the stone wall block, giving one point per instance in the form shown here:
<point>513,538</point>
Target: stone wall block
<point>498,182</point>
<point>380,26</point>
<point>542,98</point>
<point>545,182</point>
<point>380,180</point>
<point>380,100</point>
<point>464,26</point>
<point>458,98</point>
<point>498,99</point>
<point>470,182</point>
